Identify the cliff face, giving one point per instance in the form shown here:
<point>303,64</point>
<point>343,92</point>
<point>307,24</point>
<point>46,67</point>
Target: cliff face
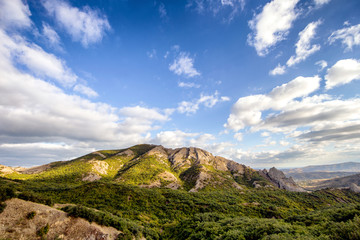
<point>280,180</point>
<point>190,168</point>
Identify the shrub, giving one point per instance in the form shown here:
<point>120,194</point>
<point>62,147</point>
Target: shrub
<point>31,215</point>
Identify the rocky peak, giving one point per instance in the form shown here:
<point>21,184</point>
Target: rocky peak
<point>280,180</point>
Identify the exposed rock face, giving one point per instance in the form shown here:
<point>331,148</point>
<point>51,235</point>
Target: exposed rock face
<point>99,166</point>
<point>280,180</point>
<point>6,170</point>
<point>354,188</point>
<point>127,153</point>
<point>15,225</point>
<point>91,177</point>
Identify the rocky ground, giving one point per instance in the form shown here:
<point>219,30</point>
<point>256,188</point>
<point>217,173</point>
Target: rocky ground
<point>14,224</point>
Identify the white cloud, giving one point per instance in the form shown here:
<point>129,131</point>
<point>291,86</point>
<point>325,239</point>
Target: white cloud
<point>279,70</point>
<point>37,153</point>
<point>14,14</point>
<point>87,26</point>
<point>51,36</point>
<point>284,143</point>
<point>321,2</point>
<point>81,88</point>
<point>177,138</point>
<point>184,65</point>
<point>349,36</point>
<point>174,139</point>
<point>238,136</point>
<point>34,112</point>
<point>303,47</point>
<point>272,24</point>
<point>322,64</point>
<point>321,125</point>
<point>342,72</point>
<point>247,111</point>
<point>208,101</point>
<point>37,60</point>
<point>188,85</point>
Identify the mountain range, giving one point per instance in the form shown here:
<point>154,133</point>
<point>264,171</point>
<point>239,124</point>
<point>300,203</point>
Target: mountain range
<point>152,192</point>
<point>150,166</point>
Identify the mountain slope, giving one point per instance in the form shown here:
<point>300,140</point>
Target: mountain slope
<point>15,223</point>
<point>351,181</point>
<point>149,166</point>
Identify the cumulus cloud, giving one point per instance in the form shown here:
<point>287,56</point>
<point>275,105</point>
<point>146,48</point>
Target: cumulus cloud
<point>303,47</point>
<point>174,139</point>
<point>184,65</point>
<point>188,85</point>
<point>37,113</point>
<point>272,24</point>
<point>208,101</point>
<point>14,14</point>
<point>349,36</point>
<point>342,72</point>
<point>320,125</point>
<point>178,138</point>
<point>87,25</point>
<point>247,111</point>
<point>279,70</point>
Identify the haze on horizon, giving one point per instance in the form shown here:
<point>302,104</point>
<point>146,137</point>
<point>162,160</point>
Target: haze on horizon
<point>264,83</point>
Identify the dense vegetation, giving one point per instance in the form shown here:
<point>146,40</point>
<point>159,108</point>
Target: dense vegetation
<point>177,214</point>
<point>218,211</point>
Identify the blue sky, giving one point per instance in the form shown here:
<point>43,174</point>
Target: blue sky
<point>265,83</point>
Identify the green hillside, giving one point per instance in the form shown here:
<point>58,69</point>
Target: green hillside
<point>150,192</point>
<point>148,166</point>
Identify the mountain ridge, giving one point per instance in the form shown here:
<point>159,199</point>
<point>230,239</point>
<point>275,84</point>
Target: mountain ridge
<point>144,165</point>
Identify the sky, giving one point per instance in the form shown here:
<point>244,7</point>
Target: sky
<point>262,82</point>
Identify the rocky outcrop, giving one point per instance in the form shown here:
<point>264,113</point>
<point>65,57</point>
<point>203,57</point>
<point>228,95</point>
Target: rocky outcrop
<point>91,177</point>
<point>278,178</point>
<point>6,170</point>
<point>354,188</point>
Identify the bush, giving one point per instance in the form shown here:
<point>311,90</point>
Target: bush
<point>43,231</point>
<point>31,215</point>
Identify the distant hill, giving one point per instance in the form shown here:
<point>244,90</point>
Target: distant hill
<point>153,166</point>
<point>311,176</point>
<point>306,176</point>
<point>352,182</point>
<point>339,167</point>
